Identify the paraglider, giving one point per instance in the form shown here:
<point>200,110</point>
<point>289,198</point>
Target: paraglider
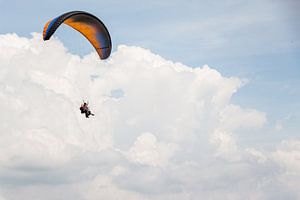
<point>91,28</point>
<point>88,25</point>
<point>85,110</point>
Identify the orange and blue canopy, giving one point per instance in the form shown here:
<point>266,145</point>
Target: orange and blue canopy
<point>88,25</point>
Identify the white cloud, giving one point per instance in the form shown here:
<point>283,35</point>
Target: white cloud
<point>161,130</point>
<point>146,150</point>
<point>287,157</point>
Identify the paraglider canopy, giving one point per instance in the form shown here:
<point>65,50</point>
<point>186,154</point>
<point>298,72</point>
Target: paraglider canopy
<point>88,25</point>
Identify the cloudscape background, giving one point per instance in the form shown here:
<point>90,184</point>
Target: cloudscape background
<point>198,100</point>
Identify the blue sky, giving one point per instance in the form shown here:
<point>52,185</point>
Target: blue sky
<point>254,40</point>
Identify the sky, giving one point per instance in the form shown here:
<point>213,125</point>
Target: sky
<point>198,100</point>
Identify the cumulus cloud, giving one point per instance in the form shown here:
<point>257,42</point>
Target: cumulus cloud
<point>146,150</point>
<point>287,158</point>
<point>161,130</point>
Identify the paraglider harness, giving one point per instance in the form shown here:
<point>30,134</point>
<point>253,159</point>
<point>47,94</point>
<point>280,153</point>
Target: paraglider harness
<point>85,110</point>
